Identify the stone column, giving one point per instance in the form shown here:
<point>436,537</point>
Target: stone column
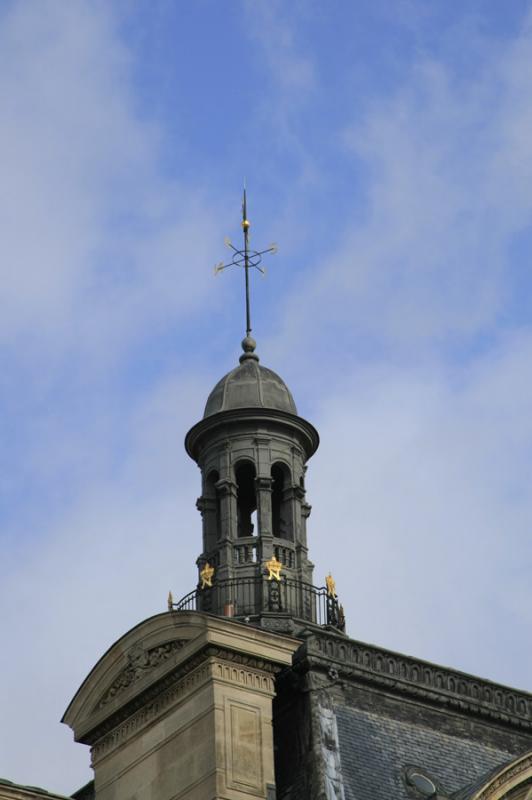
<point>227,490</point>
<point>263,489</point>
<point>207,508</point>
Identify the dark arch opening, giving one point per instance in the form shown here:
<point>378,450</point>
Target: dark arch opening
<point>281,511</point>
<point>246,498</point>
<point>214,522</point>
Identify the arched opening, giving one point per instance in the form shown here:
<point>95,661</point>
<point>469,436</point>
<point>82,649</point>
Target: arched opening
<point>281,511</point>
<point>214,522</point>
<point>246,499</point>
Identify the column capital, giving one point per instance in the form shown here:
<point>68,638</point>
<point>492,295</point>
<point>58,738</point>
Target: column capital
<point>226,487</point>
<point>205,503</point>
<point>263,483</point>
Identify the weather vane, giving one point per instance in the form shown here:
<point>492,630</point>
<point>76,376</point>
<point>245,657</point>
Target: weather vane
<point>245,258</point>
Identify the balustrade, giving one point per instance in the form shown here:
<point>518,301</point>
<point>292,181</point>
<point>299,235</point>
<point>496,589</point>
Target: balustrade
<point>252,596</point>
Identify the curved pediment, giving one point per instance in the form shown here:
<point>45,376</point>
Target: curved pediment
<point>140,665</point>
<point>139,659</point>
<point>513,781</point>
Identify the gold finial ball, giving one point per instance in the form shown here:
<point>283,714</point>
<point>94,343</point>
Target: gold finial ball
<point>245,224</point>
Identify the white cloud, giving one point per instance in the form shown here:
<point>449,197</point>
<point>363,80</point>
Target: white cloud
<point>271,26</point>
<point>91,573</point>
<point>423,484</point>
<point>428,260</point>
<point>421,479</point>
<point>113,244</point>
<point>99,250</point>
<point>401,349</point>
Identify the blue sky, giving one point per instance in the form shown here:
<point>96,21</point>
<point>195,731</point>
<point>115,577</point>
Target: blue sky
<point>387,149</point>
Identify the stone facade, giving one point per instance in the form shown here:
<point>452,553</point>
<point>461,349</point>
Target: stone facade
<point>181,707</point>
<point>248,689</point>
<point>366,716</point>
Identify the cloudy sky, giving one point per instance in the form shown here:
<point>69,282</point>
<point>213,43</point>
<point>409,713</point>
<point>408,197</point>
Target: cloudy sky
<point>387,148</point>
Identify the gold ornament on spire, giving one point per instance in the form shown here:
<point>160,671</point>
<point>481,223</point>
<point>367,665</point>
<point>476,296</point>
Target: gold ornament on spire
<point>206,575</point>
<point>245,257</point>
<point>331,586</point>
<point>274,568</point>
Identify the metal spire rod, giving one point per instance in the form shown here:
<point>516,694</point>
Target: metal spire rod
<point>245,258</point>
<point>245,228</point>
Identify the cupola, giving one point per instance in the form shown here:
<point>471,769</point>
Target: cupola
<point>252,448</point>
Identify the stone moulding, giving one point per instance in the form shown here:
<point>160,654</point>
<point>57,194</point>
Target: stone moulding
<point>228,669</point>
<point>161,691</point>
<point>309,437</point>
<point>406,675</point>
<point>140,663</point>
<point>153,708</point>
<point>505,780</point>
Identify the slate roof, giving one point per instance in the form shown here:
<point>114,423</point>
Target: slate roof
<point>375,750</point>
<point>469,791</point>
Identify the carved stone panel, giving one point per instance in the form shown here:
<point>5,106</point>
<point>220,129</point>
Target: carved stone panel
<point>139,663</point>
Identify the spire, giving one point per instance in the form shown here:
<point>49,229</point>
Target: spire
<point>245,228</point>
<point>247,259</point>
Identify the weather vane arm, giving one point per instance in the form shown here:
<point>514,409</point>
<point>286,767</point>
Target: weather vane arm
<point>245,258</point>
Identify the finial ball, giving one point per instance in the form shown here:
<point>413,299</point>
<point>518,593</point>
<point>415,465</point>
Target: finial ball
<point>245,224</point>
<point>248,344</point>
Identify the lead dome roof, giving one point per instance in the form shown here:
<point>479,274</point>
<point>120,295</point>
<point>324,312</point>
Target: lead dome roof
<point>250,385</point>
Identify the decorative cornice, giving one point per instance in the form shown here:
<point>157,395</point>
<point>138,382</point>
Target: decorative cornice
<point>217,664</point>
<point>278,624</point>
<point>150,710</point>
<point>406,675</point>
<point>151,695</point>
<point>262,441</point>
<point>307,433</point>
<point>254,679</point>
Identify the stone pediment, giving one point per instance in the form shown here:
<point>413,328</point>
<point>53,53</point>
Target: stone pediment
<point>150,657</point>
<point>513,781</point>
<point>139,659</point>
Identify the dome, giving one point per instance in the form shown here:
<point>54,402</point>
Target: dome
<point>250,386</point>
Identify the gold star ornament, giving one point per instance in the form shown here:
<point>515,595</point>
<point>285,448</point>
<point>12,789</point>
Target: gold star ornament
<point>206,575</point>
<point>331,586</point>
<point>274,568</point>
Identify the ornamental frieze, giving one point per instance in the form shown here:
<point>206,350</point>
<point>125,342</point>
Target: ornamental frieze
<point>436,683</point>
<point>139,663</point>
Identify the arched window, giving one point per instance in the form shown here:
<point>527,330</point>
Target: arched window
<point>246,499</point>
<point>281,511</point>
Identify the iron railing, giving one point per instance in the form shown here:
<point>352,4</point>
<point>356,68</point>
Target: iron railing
<point>252,596</point>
